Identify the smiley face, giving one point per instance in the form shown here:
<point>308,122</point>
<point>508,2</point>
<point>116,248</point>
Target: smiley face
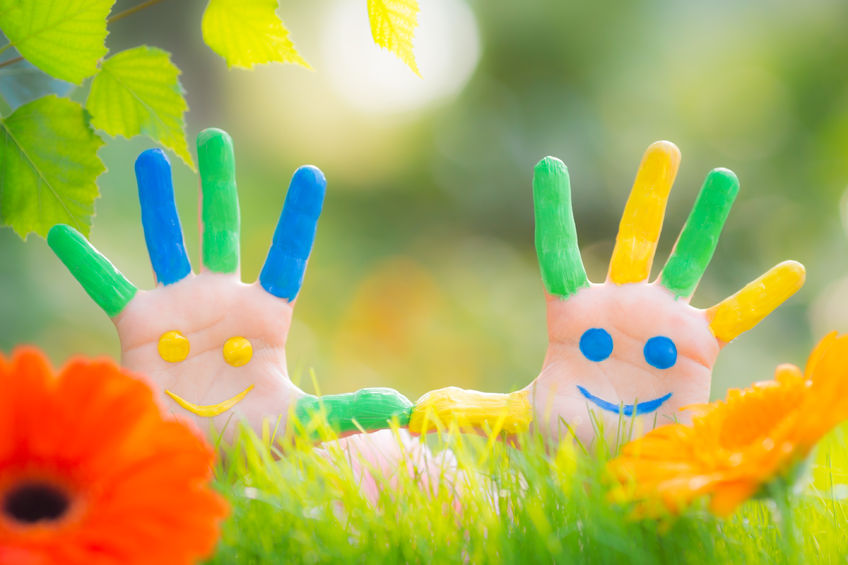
<point>174,347</point>
<point>596,344</point>
<point>237,351</point>
<point>645,365</point>
<point>227,360</point>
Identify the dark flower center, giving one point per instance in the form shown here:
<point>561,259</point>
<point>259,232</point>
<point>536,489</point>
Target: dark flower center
<point>33,502</point>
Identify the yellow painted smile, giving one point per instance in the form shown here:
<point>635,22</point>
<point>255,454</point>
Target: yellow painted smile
<point>209,410</point>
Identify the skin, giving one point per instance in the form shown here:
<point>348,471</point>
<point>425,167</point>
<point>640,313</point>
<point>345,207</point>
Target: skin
<point>632,314</point>
<point>209,308</point>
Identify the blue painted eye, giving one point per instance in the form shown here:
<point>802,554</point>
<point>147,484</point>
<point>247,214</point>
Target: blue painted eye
<point>660,352</point>
<point>596,344</point>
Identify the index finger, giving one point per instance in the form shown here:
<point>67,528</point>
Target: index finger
<point>282,274</point>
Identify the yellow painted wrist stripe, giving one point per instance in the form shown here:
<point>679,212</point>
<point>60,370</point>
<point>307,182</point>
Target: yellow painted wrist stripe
<point>469,409</point>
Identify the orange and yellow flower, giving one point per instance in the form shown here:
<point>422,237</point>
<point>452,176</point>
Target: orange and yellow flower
<point>737,446</point>
<point>91,472</point>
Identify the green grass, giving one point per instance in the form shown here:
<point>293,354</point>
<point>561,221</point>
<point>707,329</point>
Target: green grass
<point>527,505</point>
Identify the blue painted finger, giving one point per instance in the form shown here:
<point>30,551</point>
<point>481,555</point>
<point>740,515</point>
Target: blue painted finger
<point>162,230</point>
<point>282,274</point>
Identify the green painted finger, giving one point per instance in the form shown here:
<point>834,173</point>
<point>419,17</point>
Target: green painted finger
<point>98,277</point>
<point>698,240</point>
<point>219,201</point>
<point>368,409</point>
<point>556,235</point>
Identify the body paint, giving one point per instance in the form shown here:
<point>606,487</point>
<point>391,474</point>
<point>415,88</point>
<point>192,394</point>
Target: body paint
<point>209,410</point>
<point>745,309</point>
<point>98,277</point>
<point>698,240</point>
<point>368,409</point>
<point>162,231</point>
<point>469,409</point>
<point>556,235</point>
<point>219,215</point>
<point>282,274</point>
<point>642,219</point>
<point>173,346</point>
<point>596,344</point>
<point>625,409</point>
<point>237,351</point>
<point>660,352</point>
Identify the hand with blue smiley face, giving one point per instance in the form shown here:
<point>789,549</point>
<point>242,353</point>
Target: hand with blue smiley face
<point>629,348</point>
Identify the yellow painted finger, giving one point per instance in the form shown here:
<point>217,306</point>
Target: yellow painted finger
<point>745,309</point>
<point>642,219</point>
<point>468,409</point>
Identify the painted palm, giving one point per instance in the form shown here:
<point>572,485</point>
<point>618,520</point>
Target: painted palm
<point>628,346</point>
<point>213,346</point>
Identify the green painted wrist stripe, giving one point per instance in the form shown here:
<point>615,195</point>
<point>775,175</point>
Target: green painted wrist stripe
<point>220,207</point>
<point>698,240</point>
<point>370,408</point>
<point>556,235</point>
<point>99,278</point>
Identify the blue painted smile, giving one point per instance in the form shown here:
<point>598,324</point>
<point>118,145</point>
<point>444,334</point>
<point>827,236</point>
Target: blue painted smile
<point>626,409</point>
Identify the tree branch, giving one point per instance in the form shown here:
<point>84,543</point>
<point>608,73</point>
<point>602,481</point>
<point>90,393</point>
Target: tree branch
<point>10,61</point>
<point>131,11</point>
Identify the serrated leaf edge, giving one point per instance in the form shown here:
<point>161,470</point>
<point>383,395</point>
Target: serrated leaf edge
<point>80,224</point>
<point>155,115</point>
<point>412,63</point>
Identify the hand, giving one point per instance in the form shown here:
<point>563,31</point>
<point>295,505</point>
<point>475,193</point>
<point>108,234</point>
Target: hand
<point>212,346</point>
<point>629,347</point>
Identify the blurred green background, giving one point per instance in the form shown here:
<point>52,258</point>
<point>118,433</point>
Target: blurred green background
<point>424,271</point>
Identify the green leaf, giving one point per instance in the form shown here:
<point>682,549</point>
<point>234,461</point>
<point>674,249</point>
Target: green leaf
<point>48,167</point>
<point>393,24</point>
<point>247,33</point>
<point>137,92</point>
<point>65,39</point>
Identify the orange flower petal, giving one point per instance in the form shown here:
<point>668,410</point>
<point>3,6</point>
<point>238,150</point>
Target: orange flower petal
<point>137,485</point>
<point>735,446</point>
<point>727,498</point>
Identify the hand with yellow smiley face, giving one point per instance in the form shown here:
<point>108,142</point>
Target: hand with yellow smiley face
<point>213,346</point>
<point>628,347</point>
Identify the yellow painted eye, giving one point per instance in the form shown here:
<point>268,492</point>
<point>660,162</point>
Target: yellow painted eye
<point>237,351</point>
<point>173,346</point>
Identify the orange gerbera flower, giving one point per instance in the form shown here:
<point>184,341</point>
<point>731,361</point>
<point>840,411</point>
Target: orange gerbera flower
<point>735,447</point>
<point>91,473</point>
